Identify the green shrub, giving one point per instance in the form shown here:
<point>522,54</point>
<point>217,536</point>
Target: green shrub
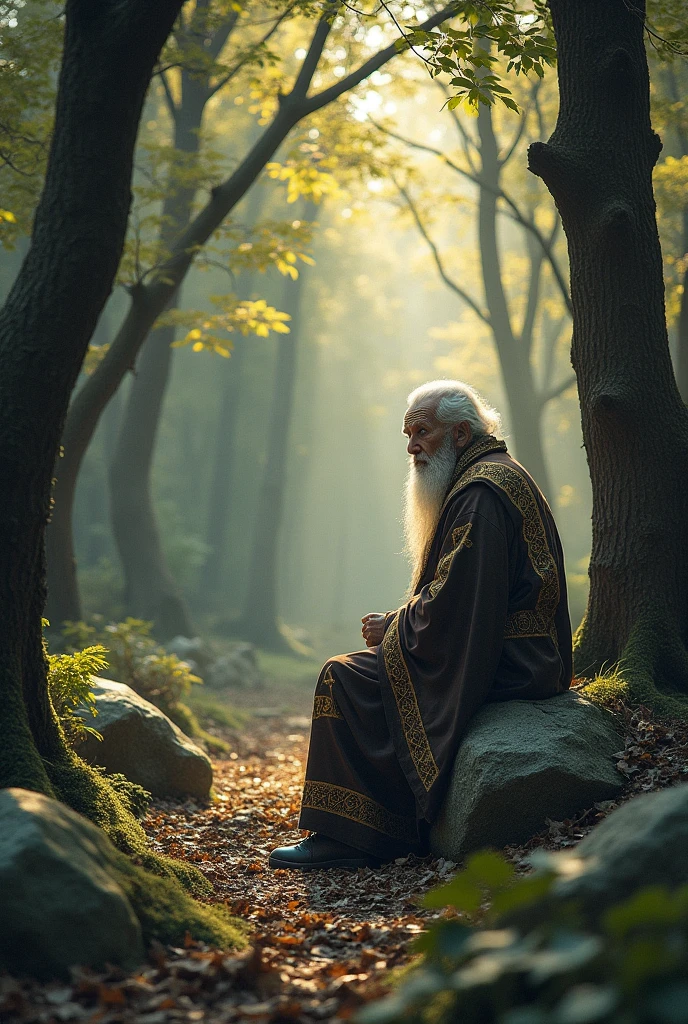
<point>135,658</point>
<point>69,682</point>
<point>634,970</point>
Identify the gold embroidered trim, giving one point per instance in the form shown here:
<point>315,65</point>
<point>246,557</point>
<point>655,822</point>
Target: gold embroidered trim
<point>460,539</point>
<point>347,803</point>
<point>407,705</point>
<point>325,707</point>
<point>540,620</point>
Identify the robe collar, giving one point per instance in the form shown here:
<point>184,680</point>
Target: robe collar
<point>483,445</point>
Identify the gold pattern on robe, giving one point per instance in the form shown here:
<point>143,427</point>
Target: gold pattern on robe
<point>407,705</point>
<point>347,803</point>
<point>460,539</point>
<point>540,620</point>
<point>324,704</point>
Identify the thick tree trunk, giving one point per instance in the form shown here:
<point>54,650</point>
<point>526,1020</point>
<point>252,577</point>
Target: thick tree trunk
<point>525,405</point>
<point>259,621</point>
<point>598,167</point>
<point>217,525</point>
<point>45,327</point>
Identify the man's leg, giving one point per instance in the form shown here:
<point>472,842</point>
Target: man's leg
<point>356,792</point>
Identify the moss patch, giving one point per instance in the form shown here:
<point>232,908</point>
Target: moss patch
<point>167,912</point>
<point>652,671</point>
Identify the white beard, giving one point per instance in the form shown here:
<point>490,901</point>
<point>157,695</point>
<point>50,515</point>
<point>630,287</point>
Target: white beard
<point>426,487</point>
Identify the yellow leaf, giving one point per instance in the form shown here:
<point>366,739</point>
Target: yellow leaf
<point>198,346</point>
<point>262,330</point>
<point>8,216</point>
<point>192,335</point>
<point>279,327</point>
<point>307,259</point>
<point>222,351</point>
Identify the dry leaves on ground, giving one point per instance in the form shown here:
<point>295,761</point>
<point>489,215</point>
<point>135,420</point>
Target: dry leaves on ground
<point>322,943</point>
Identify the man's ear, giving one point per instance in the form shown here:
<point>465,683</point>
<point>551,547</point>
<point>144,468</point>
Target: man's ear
<point>462,433</point>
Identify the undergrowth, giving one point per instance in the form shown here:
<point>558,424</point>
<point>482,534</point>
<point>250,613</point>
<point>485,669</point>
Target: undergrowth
<point>160,889</point>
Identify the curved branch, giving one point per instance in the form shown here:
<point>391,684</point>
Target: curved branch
<point>516,214</point>
<point>438,260</point>
<point>558,389</point>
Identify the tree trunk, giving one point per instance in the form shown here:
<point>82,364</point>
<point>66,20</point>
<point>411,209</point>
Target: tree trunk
<point>150,591</point>
<point>259,622</point>
<point>598,167</point>
<point>525,405</point>
<point>45,327</point>
<point>216,534</point>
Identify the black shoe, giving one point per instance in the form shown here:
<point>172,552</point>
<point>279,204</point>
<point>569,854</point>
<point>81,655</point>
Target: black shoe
<point>318,852</point>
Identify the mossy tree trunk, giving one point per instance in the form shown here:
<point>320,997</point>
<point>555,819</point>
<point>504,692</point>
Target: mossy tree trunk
<point>45,326</point>
<point>598,167</point>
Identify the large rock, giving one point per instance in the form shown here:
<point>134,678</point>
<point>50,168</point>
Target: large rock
<point>642,843</point>
<point>142,743</point>
<point>521,762</point>
<point>236,669</point>
<point>59,902</point>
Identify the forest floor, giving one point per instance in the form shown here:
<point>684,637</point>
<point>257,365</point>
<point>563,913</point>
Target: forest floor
<point>321,944</point>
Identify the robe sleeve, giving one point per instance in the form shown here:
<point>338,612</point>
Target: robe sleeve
<point>441,650</point>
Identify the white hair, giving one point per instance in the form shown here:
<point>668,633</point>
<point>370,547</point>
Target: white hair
<point>456,402</point>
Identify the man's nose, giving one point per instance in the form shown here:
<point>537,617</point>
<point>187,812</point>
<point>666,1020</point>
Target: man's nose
<point>413,448</point>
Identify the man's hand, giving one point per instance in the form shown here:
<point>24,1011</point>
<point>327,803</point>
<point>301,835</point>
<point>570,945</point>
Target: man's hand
<point>373,628</point>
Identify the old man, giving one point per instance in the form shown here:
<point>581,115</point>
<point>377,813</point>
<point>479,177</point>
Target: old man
<point>487,620</point>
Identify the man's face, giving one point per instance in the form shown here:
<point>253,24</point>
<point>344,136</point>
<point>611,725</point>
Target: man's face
<point>425,434</point>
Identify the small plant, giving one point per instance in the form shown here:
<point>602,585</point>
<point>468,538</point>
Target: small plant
<point>135,658</point>
<point>631,969</point>
<point>69,683</point>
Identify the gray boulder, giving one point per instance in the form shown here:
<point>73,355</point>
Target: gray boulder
<point>59,902</point>
<point>520,763</point>
<point>641,843</point>
<point>192,650</point>
<point>142,743</point>
<point>236,669</point>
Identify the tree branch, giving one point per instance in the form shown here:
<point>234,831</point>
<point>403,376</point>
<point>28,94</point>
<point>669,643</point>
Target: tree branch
<point>321,99</point>
<point>516,214</point>
<point>558,389</point>
<point>242,63</point>
<point>438,260</point>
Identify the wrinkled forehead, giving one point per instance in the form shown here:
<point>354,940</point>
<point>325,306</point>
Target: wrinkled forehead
<point>422,412</point>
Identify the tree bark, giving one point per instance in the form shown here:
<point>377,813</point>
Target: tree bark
<point>259,622</point>
<point>45,327</point>
<point>598,166</point>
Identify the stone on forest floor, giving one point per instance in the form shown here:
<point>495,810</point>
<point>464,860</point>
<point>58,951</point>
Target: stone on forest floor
<point>142,743</point>
<point>522,762</point>
<point>641,843</point>
<point>236,669</point>
<point>59,902</point>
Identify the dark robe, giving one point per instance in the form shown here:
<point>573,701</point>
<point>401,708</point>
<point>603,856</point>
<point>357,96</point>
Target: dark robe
<point>488,621</point>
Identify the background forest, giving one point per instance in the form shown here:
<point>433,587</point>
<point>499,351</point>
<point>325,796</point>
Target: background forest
<point>243,479</point>
<point>234,236</point>
<point>246,477</point>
